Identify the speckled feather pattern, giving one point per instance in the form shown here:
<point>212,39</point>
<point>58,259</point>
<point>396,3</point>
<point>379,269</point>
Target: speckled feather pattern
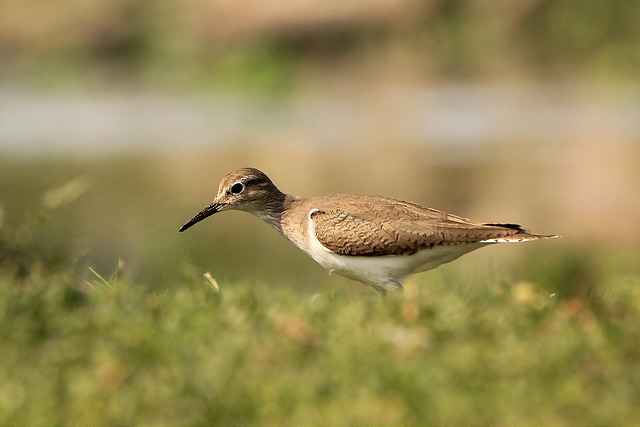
<point>357,225</point>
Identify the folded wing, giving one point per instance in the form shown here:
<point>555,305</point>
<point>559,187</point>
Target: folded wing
<point>402,228</point>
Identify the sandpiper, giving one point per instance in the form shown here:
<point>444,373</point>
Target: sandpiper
<point>376,240</point>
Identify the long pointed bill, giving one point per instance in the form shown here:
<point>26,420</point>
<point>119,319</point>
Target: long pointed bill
<point>208,211</point>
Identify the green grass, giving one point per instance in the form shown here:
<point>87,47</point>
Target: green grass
<point>110,351</point>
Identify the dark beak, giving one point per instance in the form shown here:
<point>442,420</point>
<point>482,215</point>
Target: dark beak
<point>208,211</point>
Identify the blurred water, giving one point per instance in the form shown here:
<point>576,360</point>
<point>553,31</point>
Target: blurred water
<point>33,122</point>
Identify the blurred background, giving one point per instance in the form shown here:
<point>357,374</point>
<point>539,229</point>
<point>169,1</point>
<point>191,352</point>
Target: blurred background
<point>118,119</point>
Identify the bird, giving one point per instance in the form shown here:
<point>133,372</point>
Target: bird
<point>376,240</point>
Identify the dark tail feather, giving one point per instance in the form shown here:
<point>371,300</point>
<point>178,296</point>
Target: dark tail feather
<point>522,235</point>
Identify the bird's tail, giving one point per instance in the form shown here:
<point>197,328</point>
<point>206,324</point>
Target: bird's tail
<point>522,236</point>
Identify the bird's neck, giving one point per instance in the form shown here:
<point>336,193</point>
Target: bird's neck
<point>271,212</point>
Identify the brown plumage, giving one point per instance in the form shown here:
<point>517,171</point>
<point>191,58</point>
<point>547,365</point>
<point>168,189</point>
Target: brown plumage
<point>393,227</point>
<point>342,231</point>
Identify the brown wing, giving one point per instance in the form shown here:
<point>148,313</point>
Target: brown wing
<point>392,227</point>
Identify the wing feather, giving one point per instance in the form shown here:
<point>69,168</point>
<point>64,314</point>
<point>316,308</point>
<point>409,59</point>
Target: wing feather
<point>392,227</point>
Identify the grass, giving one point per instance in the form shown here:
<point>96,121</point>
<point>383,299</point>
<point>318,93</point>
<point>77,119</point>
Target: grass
<point>112,352</point>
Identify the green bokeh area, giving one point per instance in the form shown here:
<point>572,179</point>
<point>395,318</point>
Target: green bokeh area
<point>111,351</point>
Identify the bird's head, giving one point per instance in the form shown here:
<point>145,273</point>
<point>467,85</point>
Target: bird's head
<point>246,189</point>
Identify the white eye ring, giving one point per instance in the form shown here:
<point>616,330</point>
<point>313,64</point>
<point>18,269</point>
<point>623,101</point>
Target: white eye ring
<point>236,188</point>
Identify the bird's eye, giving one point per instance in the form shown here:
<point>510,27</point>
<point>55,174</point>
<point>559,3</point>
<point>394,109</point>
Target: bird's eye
<point>237,188</point>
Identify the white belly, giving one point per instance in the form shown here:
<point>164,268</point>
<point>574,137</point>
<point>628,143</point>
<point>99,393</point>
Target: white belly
<point>387,272</point>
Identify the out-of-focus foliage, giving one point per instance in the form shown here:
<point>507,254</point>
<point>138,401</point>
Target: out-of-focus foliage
<point>263,43</point>
<point>447,352</point>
